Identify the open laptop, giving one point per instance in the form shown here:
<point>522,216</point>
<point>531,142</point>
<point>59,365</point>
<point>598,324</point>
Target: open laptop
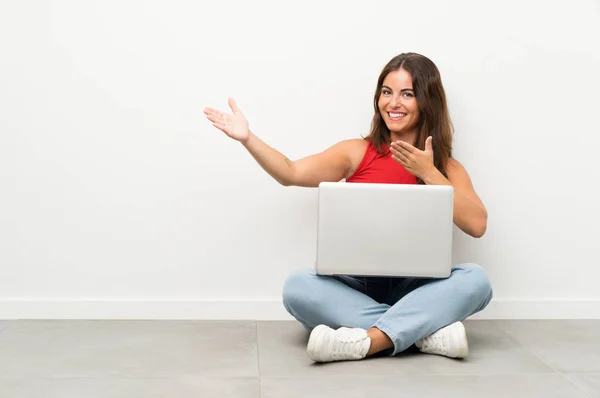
<point>367,229</point>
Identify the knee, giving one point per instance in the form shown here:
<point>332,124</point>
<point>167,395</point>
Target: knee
<point>476,282</point>
<point>296,289</point>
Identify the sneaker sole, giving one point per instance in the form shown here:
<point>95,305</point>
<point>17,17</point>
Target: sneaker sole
<point>314,340</point>
<point>459,335</point>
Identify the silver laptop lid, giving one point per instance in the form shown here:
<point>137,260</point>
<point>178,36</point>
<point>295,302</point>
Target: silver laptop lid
<point>384,229</point>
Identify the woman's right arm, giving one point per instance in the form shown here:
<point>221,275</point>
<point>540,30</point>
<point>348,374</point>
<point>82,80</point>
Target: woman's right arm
<point>333,164</point>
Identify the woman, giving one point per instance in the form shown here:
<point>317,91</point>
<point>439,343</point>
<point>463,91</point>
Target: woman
<point>410,143</point>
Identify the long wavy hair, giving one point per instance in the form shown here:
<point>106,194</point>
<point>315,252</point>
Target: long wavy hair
<point>434,119</point>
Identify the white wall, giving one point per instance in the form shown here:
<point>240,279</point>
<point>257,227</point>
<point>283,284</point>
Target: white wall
<point>119,199</point>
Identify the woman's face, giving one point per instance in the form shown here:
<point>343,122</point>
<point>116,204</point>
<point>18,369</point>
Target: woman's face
<point>398,104</point>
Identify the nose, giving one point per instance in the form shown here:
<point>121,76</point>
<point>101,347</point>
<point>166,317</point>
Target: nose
<point>396,102</point>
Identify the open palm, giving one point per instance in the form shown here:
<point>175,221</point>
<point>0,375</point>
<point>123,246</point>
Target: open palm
<point>234,125</point>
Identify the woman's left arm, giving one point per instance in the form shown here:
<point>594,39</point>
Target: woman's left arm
<point>470,215</point>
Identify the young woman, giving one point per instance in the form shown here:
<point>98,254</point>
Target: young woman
<point>410,142</point>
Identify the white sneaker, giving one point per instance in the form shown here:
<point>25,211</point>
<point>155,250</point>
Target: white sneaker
<point>326,344</point>
<point>450,341</point>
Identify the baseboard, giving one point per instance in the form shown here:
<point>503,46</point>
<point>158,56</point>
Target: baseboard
<point>192,308</point>
<point>543,308</point>
<point>257,309</point>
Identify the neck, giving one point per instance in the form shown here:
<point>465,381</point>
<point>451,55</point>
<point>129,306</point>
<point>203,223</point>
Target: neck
<point>410,137</point>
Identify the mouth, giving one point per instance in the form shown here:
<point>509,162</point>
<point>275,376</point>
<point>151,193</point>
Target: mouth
<point>396,115</point>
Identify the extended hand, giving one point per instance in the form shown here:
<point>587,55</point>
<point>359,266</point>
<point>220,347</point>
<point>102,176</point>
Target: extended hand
<point>418,163</point>
<point>234,125</point>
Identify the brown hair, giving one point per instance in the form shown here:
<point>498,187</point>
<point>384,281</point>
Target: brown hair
<point>434,117</point>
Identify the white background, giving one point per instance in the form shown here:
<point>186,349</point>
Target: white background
<point>119,199</point>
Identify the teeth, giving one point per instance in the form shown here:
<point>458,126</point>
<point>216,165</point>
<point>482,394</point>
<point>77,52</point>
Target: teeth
<point>395,115</point>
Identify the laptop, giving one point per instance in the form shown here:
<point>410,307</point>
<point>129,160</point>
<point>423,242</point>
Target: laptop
<point>394,230</point>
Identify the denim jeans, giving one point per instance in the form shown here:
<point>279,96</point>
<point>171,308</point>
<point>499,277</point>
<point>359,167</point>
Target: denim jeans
<point>405,309</point>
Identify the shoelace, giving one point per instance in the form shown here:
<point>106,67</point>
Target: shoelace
<point>347,343</point>
<point>435,342</point>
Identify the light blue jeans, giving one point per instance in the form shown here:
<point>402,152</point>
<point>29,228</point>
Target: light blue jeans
<point>405,309</point>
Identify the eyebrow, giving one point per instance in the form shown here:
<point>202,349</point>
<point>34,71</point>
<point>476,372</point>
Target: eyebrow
<point>403,90</point>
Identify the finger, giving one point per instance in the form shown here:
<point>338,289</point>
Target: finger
<point>215,118</point>
<point>399,152</point>
<point>404,151</point>
<point>405,145</point>
<point>395,151</point>
<point>208,110</point>
<point>214,113</point>
<point>233,105</point>
<point>401,161</point>
<point>400,157</point>
<point>220,126</point>
<point>406,160</point>
<point>428,144</point>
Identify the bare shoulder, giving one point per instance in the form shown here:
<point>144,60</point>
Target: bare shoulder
<point>349,150</point>
<point>352,149</point>
<point>354,145</point>
<point>355,149</point>
<point>458,175</point>
<point>353,142</point>
<point>455,169</point>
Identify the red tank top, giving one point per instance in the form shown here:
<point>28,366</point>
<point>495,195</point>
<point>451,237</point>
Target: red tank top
<point>375,168</point>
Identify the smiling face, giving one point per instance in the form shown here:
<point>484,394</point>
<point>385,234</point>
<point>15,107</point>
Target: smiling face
<point>398,105</point>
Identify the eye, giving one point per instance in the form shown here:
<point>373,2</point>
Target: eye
<point>408,94</point>
<point>386,91</point>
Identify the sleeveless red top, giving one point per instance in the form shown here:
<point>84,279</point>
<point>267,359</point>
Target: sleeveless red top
<point>375,168</point>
